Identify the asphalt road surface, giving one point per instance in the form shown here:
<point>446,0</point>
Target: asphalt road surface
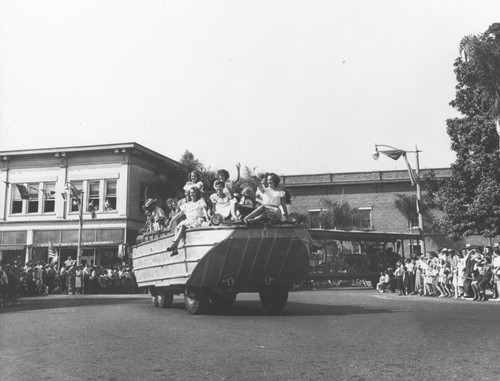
<point>340,334</point>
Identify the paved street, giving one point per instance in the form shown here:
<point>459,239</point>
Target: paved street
<point>340,334</point>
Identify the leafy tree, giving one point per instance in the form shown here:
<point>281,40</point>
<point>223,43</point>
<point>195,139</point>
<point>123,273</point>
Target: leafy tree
<point>190,162</point>
<point>407,205</point>
<point>471,197</point>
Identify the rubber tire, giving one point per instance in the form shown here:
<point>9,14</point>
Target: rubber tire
<point>222,301</point>
<point>165,300</point>
<point>155,300</point>
<point>273,299</point>
<point>196,303</point>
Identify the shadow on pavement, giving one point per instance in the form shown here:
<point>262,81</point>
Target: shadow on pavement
<point>69,301</point>
<point>254,308</point>
<point>240,308</point>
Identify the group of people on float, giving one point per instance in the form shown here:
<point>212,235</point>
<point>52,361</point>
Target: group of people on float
<point>463,275</point>
<point>40,278</point>
<point>198,208</point>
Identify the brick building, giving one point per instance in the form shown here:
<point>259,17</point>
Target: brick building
<point>115,178</point>
<point>371,194</point>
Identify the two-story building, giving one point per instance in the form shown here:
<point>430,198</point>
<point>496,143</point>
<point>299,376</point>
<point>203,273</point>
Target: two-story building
<point>114,180</point>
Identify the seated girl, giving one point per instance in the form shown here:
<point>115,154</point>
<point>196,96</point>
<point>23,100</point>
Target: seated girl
<point>263,184</point>
<point>272,199</point>
<point>221,201</point>
<point>194,180</point>
<point>196,215</point>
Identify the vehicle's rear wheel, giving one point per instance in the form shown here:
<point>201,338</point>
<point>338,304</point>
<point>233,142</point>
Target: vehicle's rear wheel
<point>222,301</point>
<point>165,300</point>
<point>273,299</point>
<point>196,302</point>
<point>154,299</point>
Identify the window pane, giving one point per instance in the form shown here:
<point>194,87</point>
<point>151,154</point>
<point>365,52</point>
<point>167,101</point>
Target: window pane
<point>17,202</point>
<point>33,201</point>
<point>93,195</point>
<point>364,219</point>
<point>314,218</point>
<point>94,189</point>
<point>110,202</point>
<point>49,195</point>
<point>111,188</point>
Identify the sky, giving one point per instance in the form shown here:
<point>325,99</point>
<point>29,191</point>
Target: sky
<point>292,87</point>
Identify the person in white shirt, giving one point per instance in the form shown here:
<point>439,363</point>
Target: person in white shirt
<point>272,199</point>
<point>221,201</point>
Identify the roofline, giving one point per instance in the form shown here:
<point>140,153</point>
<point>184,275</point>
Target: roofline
<point>131,145</point>
<point>357,172</point>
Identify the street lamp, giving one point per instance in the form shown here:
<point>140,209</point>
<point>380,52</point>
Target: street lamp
<point>395,154</point>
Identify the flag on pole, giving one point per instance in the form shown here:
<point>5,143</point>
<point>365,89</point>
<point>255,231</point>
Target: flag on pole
<point>47,193</point>
<point>75,192</point>
<point>23,191</point>
<point>413,175</point>
<point>394,154</point>
<point>52,252</point>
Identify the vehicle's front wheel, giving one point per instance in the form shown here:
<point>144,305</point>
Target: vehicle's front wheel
<point>165,300</point>
<point>154,299</point>
<point>196,302</point>
<point>273,299</point>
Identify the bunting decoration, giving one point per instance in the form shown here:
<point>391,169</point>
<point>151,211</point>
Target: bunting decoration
<point>75,192</point>
<point>394,154</point>
<point>46,193</point>
<point>413,175</point>
<point>23,191</point>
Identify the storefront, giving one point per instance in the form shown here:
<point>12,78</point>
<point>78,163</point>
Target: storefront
<point>100,247</point>
<point>13,246</point>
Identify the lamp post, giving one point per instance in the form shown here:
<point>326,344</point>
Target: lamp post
<point>77,194</point>
<point>395,154</point>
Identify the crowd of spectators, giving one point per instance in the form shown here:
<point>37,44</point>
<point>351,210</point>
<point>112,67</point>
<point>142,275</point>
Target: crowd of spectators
<point>67,278</point>
<point>470,274</point>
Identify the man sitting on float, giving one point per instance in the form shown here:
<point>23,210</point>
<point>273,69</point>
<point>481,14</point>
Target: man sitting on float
<point>272,199</point>
<point>196,214</point>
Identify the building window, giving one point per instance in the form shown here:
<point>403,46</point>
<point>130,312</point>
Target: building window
<point>49,197</point>
<point>94,194</point>
<point>33,202</point>
<point>110,196</point>
<point>74,200</point>
<point>17,201</point>
<point>315,218</point>
<point>364,218</point>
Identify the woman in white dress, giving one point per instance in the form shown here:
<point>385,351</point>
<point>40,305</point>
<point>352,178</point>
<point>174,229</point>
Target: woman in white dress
<point>196,214</point>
